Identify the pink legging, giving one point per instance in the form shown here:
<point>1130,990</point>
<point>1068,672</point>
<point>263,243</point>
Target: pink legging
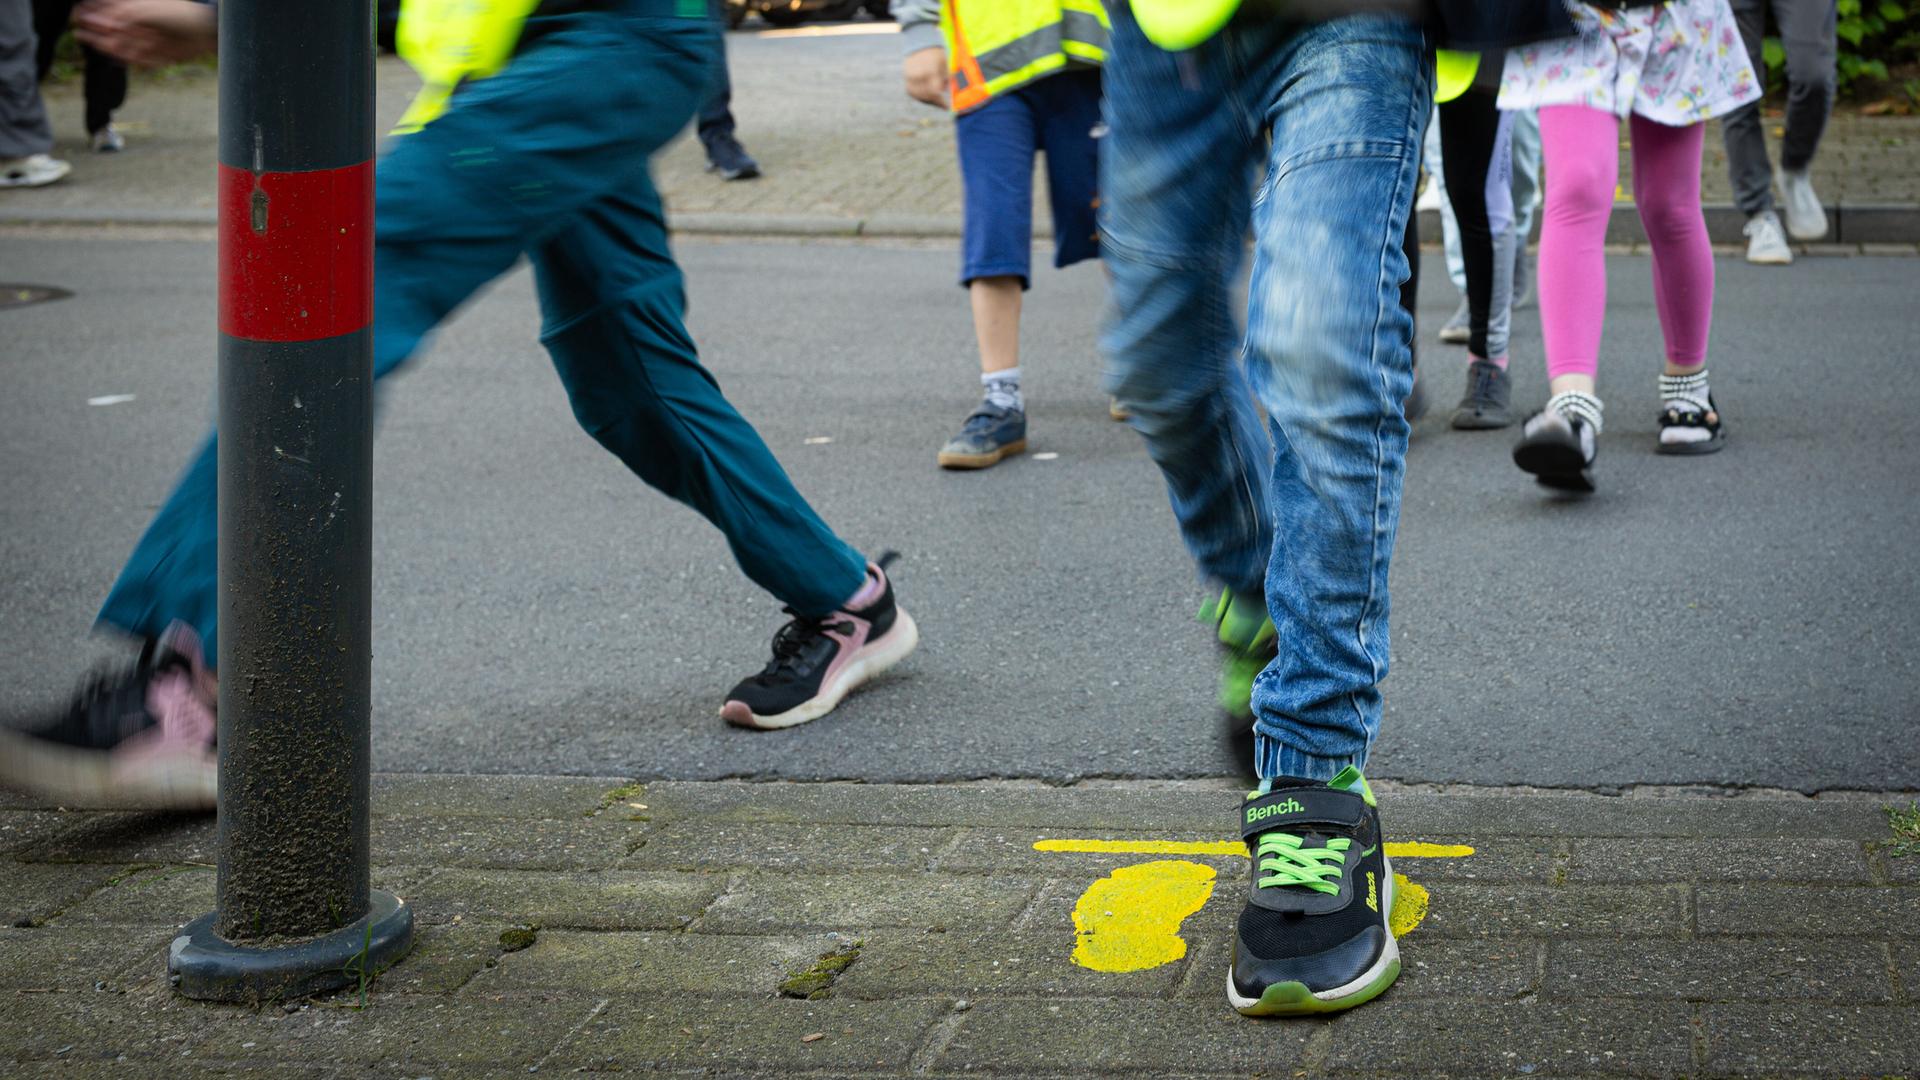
<point>1580,146</point>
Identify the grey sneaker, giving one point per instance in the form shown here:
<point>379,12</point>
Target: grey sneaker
<point>1489,394</point>
<point>1806,219</point>
<point>1459,329</point>
<point>989,434</point>
<point>1766,241</point>
<point>108,140</point>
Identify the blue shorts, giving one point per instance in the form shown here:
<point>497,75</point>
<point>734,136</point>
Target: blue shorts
<point>1059,115</point>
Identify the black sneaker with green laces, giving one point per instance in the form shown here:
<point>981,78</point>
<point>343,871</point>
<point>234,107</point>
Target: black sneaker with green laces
<point>1315,935</point>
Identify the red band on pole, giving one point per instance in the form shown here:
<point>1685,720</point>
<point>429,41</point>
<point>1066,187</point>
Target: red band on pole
<point>296,253</point>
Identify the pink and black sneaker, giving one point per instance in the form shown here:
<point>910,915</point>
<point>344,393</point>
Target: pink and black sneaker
<point>141,738</point>
<point>816,662</point>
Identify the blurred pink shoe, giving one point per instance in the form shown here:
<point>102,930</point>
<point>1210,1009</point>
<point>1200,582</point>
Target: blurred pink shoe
<point>142,737</point>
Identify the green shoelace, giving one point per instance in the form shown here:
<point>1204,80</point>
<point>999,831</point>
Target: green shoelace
<point>1285,860</point>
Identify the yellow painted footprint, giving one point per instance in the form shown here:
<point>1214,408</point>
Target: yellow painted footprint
<point>1130,920</point>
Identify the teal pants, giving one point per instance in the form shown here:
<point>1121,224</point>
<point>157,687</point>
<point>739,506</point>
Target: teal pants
<point>549,158</point>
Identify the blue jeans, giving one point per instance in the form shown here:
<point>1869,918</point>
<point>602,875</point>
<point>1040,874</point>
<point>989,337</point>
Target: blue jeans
<point>549,159</point>
<point>1327,346</point>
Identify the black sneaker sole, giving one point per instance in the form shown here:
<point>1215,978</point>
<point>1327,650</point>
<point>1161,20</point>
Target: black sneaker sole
<point>1555,463</point>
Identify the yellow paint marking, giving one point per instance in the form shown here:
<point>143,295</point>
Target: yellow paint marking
<point>1405,850</point>
<point>1409,906</point>
<point>1130,919</point>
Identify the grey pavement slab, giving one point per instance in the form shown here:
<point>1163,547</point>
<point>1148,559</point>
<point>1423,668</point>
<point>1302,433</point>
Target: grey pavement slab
<point>538,611</point>
<point>1685,966</point>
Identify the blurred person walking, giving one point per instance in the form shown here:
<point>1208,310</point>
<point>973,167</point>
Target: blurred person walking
<point>26,137</point>
<point>725,155</point>
<point>1021,77</point>
<point>104,79</point>
<point>566,183</point>
<point>1807,34</point>
<point>1666,68</point>
<point>1525,168</point>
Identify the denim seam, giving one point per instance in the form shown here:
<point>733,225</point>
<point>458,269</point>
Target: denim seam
<point>1391,240</point>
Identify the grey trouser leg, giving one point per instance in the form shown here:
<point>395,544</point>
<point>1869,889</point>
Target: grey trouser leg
<point>1807,33</point>
<point>23,119</point>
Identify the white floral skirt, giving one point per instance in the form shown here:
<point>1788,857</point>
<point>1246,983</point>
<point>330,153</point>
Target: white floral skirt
<point>1678,63</point>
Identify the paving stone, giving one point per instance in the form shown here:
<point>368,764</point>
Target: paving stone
<point>640,1035</point>
<point>523,844</point>
<point>1013,850</point>
<point>918,963</point>
<point>1725,859</point>
<point>176,895</point>
<point>393,1034</point>
<point>1466,967</point>
<point>1760,908</point>
<point>768,902</point>
<point>1141,1038</point>
<point>1906,968</point>
<point>1534,1038</point>
<point>1494,859</point>
<point>813,848</point>
<point>633,962</point>
<point>32,893</point>
<point>443,959</point>
<point>595,900</point>
<point>22,829</point>
<point>1473,909</point>
<point>1717,969</point>
<point>945,805</point>
<point>77,958</point>
<point>439,795</point>
<point>164,1069</point>
<point>89,1030</point>
<point>1904,869</point>
<point>128,837</point>
<point>1828,1040</point>
<point>1890,249</point>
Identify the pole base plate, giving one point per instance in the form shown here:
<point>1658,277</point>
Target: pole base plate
<point>208,967</point>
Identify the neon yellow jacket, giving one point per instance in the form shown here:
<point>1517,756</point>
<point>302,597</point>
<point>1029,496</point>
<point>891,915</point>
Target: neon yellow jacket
<point>995,46</point>
<point>450,41</point>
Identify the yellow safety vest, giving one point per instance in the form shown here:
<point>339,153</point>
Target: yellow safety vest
<point>450,41</point>
<point>994,46</point>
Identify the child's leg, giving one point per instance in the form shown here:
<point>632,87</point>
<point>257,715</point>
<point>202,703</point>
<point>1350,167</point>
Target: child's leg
<point>1580,148</point>
<point>1666,186</point>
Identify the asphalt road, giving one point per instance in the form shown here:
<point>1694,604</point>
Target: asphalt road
<point>1751,618</point>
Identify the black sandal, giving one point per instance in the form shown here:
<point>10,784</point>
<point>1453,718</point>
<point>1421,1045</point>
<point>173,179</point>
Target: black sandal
<point>1677,414</point>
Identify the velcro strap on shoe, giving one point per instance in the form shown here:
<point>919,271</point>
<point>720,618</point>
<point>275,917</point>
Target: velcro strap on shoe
<point>1290,808</point>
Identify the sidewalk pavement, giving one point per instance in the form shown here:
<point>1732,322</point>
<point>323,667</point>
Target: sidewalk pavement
<point>569,924</point>
<point>845,155</point>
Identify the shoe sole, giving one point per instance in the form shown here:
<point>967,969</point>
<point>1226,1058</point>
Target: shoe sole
<point>1693,449</point>
<point>980,461</point>
<point>1771,260</point>
<point>1451,336</point>
<point>1295,999</point>
<point>867,664</point>
<point>89,778</point>
<point>1556,465</point>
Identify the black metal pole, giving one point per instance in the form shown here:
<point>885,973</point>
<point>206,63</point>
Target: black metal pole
<point>295,910</point>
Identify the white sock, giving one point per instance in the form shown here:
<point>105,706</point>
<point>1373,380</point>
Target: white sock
<point>1684,394</point>
<point>1003,389</point>
<point>1565,409</point>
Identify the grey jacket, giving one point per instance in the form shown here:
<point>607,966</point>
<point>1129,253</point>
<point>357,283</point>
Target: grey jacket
<point>919,23</point>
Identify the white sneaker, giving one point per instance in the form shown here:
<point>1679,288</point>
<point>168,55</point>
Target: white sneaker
<point>35,170</point>
<point>108,141</point>
<point>1806,220</point>
<point>1766,243</point>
